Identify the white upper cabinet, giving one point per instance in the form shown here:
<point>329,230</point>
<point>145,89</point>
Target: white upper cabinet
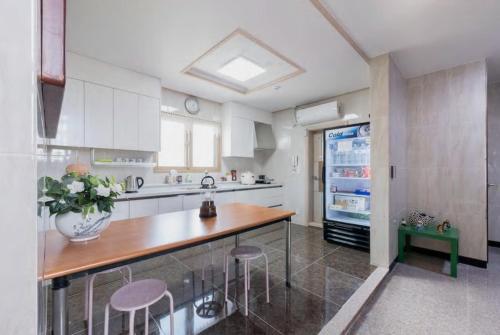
<point>238,129</point>
<point>149,123</point>
<point>70,129</point>
<point>98,116</point>
<point>108,107</point>
<point>242,138</point>
<point>125,129</point>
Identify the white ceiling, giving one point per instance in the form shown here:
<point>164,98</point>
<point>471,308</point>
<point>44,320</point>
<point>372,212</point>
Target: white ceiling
<point>162,37</point>
<point>425,35</point>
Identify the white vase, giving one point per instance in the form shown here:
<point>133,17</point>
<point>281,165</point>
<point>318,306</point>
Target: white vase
<point>79,228</point>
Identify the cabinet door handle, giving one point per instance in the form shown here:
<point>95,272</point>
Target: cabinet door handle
<point>492,185</point>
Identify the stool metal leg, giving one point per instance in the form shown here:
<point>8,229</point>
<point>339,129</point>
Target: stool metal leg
<point>106,320</point>
<point>248,274</point>
<point>131,323</point>
<point>267,278</point>
<point>227,279</point>
<point>146,321</point>
<point>169,295</point>
<point>246,288</point>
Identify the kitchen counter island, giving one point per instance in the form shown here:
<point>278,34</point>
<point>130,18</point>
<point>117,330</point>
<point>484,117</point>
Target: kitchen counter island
<point>132,240</point>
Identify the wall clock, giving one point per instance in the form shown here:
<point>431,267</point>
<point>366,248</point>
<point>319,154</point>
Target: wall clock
<point>192,105</point>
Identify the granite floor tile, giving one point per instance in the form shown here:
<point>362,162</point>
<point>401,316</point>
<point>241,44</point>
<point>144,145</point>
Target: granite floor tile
<point>293,310</point>
<point>277,263</point>
<point>237,323</point>
<point>236,290</point>
<point>328,283</point>
<point>318,288</point>
<point>351,261</point>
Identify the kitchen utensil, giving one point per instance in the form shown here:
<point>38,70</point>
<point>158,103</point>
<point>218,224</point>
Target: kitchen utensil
<point>133,184</point>
<point>247,178</point>
<point>208,209</point>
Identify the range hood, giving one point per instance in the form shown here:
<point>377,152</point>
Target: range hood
<point>264,137</point>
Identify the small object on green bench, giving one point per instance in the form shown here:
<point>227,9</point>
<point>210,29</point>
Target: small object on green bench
<point>451,235</point>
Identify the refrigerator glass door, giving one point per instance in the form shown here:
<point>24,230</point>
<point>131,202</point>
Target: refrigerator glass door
<point>347,174</point>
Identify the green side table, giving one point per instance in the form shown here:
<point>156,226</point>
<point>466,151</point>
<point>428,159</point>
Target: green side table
<point>450,235</point>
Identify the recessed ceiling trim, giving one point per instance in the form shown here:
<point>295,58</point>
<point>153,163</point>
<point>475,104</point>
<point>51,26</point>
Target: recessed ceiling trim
<point>338,27</point>
<point>192,71</point>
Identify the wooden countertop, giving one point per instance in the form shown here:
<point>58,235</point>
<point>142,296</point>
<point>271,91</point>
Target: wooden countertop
<point>131,239</point>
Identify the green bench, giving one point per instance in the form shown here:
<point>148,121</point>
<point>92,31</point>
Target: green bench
<point>450,235</point>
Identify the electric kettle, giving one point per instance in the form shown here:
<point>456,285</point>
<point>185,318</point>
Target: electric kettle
<point>133,184</point>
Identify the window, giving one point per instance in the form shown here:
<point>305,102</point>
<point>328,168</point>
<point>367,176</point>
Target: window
<point>188,145</point>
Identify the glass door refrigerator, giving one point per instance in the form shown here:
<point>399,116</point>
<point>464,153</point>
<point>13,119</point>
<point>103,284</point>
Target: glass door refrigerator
<point>346,213</point>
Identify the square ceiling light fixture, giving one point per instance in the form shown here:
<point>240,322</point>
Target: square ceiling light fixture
<point>241,69</point>
<point>243,63</point>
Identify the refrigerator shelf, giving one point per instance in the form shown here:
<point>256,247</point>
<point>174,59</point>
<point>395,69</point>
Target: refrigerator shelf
<point>345,219</point>
<point>350,211</point>
<point>352,194</point>
<point>354,164</point>
<point>350,178</point>
<point>352,138</point>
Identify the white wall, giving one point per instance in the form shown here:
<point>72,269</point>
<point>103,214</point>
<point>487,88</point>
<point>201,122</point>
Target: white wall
<point>18,160</point>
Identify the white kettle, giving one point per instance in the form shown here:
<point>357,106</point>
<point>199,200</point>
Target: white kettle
<point>247,178</point>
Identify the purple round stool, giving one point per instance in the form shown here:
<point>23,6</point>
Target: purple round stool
<point>139,295</point>
<point>246,253</point>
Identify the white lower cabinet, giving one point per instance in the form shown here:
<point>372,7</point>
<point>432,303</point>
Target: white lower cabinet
<point>225,198</point>
<point>143,207</point>
<point>170,204</point>
<point>191,201</point>
<point>269,197</point>
<point>121,211</point>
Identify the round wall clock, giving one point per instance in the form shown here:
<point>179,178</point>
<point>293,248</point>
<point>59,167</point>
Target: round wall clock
<point>192,105</point>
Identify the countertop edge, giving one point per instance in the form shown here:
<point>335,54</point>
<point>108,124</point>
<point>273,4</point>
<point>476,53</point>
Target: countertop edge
<point>176,192</point>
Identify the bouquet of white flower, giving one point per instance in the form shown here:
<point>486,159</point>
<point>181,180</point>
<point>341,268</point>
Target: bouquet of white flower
<point>80,194</point>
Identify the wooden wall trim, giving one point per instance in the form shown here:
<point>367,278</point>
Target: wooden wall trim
<point>338,27</point>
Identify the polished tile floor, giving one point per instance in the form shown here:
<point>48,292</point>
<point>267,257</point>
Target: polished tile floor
<point>417,298</point>
<point>324,276</point>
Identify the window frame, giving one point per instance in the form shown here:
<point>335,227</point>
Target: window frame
<point>189,168</point>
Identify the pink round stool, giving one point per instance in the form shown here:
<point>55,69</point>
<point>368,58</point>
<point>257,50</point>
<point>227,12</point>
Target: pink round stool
<point>139,295</point>
<point>246,253</point>
<point>89,292</point>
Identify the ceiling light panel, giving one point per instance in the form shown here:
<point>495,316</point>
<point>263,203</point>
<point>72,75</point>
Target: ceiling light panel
<point>243,63</point>
<point>241,69</point>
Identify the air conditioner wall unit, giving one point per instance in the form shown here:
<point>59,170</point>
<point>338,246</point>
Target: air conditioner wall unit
<point>325,112</point>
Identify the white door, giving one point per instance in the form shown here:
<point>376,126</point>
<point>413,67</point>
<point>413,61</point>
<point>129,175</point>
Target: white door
<point>144,207</point>
<point>98,116</point>
<point>125,117</point>
<point>121,211</point>
<point>317,173</point>
<point>149,124</point>
<point>170,204</point>
<point>70,130</point>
